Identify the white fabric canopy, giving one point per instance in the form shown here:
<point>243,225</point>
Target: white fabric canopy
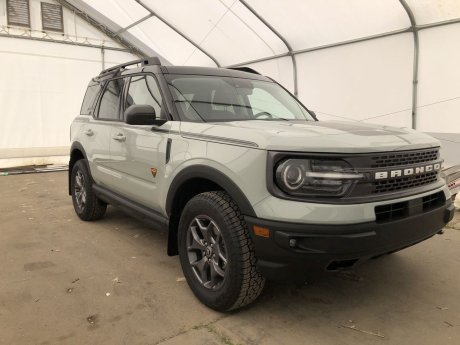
<point>391,62</point>
<point>370,78</point>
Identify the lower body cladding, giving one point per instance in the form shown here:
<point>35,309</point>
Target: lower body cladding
<point>293,252</point>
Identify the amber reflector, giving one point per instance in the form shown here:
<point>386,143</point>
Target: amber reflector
<point>260,231</point>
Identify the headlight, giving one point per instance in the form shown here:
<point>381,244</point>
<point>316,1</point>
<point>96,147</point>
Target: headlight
<point>315,177</point>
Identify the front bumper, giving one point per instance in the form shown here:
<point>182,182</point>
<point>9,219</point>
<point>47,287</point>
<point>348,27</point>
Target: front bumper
<point>294,252</point>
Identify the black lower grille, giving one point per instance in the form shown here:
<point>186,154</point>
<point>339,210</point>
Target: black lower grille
<point>433,201</point>
<point>402,183</point>
<point>385,213</point>
<point>399,210</point>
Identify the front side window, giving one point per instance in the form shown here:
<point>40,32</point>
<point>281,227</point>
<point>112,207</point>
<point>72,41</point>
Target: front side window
<point>109,108</point>
<point>217,99</point>
<point>143,90</point>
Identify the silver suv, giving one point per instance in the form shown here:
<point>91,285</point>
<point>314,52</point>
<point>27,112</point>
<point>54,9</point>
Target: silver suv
<point>248,183</point>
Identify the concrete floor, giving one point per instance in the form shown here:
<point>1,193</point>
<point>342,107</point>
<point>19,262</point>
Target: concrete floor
<point>64,281</point>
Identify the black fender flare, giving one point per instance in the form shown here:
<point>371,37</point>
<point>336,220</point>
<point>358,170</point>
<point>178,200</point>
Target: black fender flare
<point>213,175</point>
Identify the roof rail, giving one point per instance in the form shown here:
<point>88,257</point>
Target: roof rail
<point>245,69</point>
<point>143,62</point>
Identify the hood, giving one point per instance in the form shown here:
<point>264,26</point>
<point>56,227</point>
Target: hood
<point>320,136</point>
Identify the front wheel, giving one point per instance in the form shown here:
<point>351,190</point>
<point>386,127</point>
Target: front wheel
<point>217,253</point>
<point>86,204</point>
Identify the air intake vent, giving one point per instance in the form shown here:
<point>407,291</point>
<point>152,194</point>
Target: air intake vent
<point>52,17</point>
<point>18,12</point>
<point>386,213</point>
<point>433,201</point>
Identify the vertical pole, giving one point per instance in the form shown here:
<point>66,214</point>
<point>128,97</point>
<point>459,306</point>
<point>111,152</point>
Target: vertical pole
<point>414,28</point>
<point>286,43</point>
<point>103,58</point>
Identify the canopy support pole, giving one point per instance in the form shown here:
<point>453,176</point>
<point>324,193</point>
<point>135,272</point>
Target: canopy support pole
<point>133,24</point>
<point>177,31</point>
<point>414,30</point>
<point>103,58</point>
<point>286,43</point>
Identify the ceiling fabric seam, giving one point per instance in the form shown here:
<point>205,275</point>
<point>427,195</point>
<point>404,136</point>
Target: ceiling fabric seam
<point>180,33</point>
<point>211,30</point>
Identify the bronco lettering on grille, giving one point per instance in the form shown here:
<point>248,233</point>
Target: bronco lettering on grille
<point>407,171</point>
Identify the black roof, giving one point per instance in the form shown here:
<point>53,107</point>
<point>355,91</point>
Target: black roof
<point>154,62</point>
<point>223,72</point>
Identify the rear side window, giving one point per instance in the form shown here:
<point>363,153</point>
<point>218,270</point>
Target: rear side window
<point>109,108</point>
<point>87,108</point>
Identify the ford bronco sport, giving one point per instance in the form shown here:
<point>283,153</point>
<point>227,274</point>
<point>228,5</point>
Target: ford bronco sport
<point>248,183</point>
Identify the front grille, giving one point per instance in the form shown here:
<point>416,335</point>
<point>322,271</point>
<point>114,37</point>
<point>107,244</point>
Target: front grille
<point>404,158</point>
<point>397,184</point>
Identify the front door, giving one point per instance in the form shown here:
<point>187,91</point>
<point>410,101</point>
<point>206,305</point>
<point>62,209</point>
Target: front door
<point>137,154</point>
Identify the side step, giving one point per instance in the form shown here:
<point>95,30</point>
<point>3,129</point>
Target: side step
<point>135,209</point>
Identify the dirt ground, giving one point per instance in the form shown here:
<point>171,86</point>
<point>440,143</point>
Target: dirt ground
<point>64,281</point>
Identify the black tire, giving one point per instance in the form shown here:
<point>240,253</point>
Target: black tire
<point>241,283</point>
<point>86,204</point>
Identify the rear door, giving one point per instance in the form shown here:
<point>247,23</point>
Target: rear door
<point>137,153</point>
<point>98,131</point>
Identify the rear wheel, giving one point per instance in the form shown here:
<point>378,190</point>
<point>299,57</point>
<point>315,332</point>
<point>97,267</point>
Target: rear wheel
<point>217,253</point>
<point>85,202</point>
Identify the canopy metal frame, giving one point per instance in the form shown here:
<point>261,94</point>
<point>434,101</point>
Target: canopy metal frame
<point>413,28</point>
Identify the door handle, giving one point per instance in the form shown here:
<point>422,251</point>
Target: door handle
<point>119,137</point>
<point>89,132</point>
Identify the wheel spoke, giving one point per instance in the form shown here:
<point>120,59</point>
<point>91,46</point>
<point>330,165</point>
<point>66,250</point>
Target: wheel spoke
<point>223,258</point>
<point>79,190</point>
<point>206,251</point>
<point>215,268</point>
<point>201,269</point>
<point>203,229</point>
<point>197,242</point>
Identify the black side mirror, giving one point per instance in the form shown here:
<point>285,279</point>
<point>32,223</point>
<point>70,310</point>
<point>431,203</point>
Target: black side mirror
<point>140,114</point>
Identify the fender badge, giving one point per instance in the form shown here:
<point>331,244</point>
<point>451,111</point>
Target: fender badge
<point>154,172</point>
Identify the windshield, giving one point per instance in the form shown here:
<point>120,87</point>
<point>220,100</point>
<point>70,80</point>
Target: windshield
<point>216,99</point>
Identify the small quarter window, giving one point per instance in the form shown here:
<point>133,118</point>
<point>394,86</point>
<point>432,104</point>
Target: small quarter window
<point>110,101</point>
<point>87,108</point>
